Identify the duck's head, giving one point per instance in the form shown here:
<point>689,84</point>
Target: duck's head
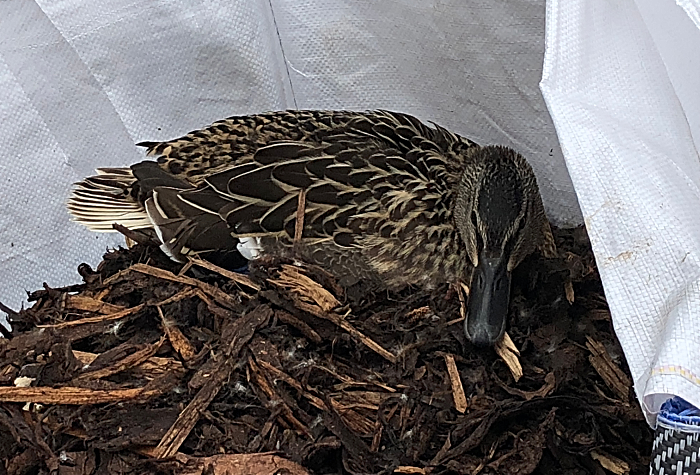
<point>500,217</point>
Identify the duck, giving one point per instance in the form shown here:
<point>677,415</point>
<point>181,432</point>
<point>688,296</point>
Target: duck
<point>374,196</point>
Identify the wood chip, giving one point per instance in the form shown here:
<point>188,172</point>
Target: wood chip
<point>569,289</point>
<point>457,389</point>
<point>290,319</point>
<point>241,332</point>
<point>446,446</point>
<point>610,463</point>
<point>548,386</point>
<point>188,265</point>
<point>121,314</point>
<point>179,341</point>
<point>417,314</point>
<point>88,304</point>
<point>311,297</point>
<point>275,400</point>
<point>278,374</point>
<point>409,470</point>
<point>611,373</point>
<point>150,368</point>
<point>345,325</point>
<point>100,318</point>
<point>239,464</point>
<point>348,413</point>
<point>74,396</point>
<point>291,278</point>
<point>178,432</point>
<point>508,352</point>
<point>377,437</point>
<point>130,361</point>
<point>463,295</point>
<point>234,276</point>
<point>214,292</point>
<point>299,221</point>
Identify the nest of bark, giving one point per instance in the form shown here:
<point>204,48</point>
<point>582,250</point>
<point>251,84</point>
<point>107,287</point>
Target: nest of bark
<point>154,367</point>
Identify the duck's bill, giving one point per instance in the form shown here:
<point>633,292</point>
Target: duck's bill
<point>489,295</point>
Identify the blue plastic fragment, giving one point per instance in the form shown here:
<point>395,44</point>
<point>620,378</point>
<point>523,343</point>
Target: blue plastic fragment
<point>679,414</point>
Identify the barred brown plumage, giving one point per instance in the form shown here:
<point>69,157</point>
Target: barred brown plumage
<point>387,198</point>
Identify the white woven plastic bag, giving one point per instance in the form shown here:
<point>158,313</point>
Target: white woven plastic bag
<point>622,82</point>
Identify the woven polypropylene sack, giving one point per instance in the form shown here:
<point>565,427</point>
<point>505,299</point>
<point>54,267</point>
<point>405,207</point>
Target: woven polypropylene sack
<point>620,80</point>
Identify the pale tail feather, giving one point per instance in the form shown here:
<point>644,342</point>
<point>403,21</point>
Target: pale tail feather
<point>104,199</point>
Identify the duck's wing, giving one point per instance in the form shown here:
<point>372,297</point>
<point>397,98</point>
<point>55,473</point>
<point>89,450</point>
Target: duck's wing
<point>381,172</point>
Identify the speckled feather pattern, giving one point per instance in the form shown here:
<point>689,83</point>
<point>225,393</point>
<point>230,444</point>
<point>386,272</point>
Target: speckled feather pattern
<point>386,197</point>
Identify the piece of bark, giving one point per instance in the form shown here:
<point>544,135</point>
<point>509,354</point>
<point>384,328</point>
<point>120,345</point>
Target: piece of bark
<point>75,396</point>
<point>475,437</point>
<point>506,349</point>
<point>345,325</point>
<point>299,221</point>
<point>290,319</point>
<point>221,297</point>
<point>546,389</point>
<point>282,376</point>
<point>121,426</point>
<point>408,470</point>
<point>610,463</point>
<point>234,276</point>
<point>240,333</point>
<point>133,236</point>
<point>97,319</point>
<point>291,278</point>
<point>239,464</point>
<point>351,442</point>
<point>275,400</point>
<point>377,437</point>
<point>23,462</point>
<point>417,314</point>
<point>569,290</point>
<point>178,341</point>
<point>89,304</point>
<point>458,395</point>
<point>611,373</point>
<point>129,362</point>
<point>151,368</point>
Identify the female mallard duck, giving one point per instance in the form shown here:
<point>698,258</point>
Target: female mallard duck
<point>383,196</point>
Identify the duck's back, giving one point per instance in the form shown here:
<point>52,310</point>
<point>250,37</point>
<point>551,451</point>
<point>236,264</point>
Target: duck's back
<point>203,152</point>
<point>375,189</point>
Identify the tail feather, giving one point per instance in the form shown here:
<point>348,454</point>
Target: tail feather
<point>104,199</point>
<point>185,229</point>
<point>145,196</point>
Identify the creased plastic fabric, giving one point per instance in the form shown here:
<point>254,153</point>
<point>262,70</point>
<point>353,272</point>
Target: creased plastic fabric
<point>621,82</point>
<point>82,81</point>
